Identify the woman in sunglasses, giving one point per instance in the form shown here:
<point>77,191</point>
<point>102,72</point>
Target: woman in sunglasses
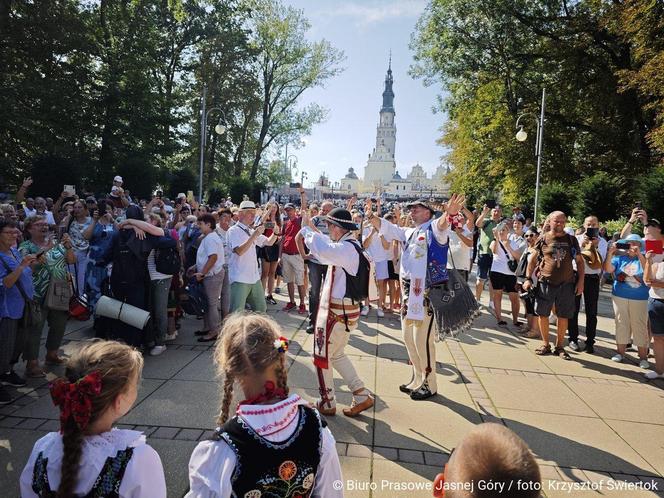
<point>528,298</point>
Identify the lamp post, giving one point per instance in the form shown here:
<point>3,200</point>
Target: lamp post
<point>291,162</point>
<point>219,129</point>
<point>521,136</point>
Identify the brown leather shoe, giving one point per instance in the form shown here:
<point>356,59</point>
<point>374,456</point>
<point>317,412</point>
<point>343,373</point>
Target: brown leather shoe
<point>328,412</point>
<point>356,408</point>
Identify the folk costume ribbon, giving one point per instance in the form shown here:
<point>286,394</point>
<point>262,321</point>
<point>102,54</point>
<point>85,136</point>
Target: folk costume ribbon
<point>75,398</point>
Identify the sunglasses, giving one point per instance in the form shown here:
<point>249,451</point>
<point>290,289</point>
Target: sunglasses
<point>530,235</point>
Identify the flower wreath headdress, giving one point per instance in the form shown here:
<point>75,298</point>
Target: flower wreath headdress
<point>281,344</point>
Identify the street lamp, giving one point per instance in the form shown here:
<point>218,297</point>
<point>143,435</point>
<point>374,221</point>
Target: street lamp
<point>521,136</point>
<point>291,162</point>
<point>219,129</point>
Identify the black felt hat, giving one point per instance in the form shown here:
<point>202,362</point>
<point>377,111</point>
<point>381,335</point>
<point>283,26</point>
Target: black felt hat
<point>340,217</point>
<point>421,202</point>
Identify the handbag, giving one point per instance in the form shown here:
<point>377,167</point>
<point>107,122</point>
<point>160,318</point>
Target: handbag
<point>512,264</point>
<point>32,312</point>
<point>59,294</point>
<point>79,309</point>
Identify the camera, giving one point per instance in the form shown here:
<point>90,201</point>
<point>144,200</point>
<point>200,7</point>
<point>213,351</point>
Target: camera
<point>269,225</point>
<point>529,294</point>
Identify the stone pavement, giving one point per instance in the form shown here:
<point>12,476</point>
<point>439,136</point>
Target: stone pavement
<point>590,422</point>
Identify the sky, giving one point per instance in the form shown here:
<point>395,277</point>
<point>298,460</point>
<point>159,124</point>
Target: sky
<point>366,31</point>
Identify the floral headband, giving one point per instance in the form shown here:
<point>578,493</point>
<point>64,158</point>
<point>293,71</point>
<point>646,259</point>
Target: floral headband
<point>281,344</point>
<point>75,398</point>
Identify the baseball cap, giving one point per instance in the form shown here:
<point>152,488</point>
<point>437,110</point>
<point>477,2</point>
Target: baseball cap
<point>90,200</point>
<point>289,205</point>
<point>118,179</point>
<point>247,205</point>
<point>182,195</point>
<point>653,222</point>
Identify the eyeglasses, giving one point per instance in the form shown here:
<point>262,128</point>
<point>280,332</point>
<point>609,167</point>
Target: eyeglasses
<point>530,235</point>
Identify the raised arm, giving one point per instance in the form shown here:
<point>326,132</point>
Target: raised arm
<point>479,222</point>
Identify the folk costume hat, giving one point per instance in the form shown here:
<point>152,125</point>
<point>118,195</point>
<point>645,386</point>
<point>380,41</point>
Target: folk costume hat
<point>421,202</point>
<point>340,217</point>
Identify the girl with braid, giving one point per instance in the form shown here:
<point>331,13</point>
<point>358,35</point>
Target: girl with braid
<point>276,444</point>
<point>88,457</point>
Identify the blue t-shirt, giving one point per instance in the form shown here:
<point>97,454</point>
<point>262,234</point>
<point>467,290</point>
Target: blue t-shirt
<point>11,301</point>
<point>101,243</point>
<point>628,278</point>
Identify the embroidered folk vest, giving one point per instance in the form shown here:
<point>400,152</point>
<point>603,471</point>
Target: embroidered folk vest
<point>285,469</point>
<point>107,484</point>
<point>436,260</point>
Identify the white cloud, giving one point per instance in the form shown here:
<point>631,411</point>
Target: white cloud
<point>365,14</point>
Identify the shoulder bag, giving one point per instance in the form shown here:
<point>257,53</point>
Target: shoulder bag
<point>512,263</point>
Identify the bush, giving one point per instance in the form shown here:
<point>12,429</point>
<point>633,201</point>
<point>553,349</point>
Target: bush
<point>599,195</point>
<point>651,193</point>
<point>556,197</point>
<point>181,180</point>
<point>613,226</point>
<point>216,194</point>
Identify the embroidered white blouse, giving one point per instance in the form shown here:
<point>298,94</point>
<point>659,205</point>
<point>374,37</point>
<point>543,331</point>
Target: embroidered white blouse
<point>212,463</point>
<point>143,477</point>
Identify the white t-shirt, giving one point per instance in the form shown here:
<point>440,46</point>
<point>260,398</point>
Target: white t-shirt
<point>224,240</point>
<point>500,258</point>
<point>211,244</point>
<point>376,249</point>
<point>460,251</point>
<point>658,270</point>
<point>244,268</point>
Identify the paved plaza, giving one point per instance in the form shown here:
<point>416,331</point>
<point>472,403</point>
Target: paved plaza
<point>590,422</point>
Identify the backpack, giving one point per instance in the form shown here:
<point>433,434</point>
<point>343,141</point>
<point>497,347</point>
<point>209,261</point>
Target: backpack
<point>128,270</point>
<point>194,300</point>
<point>357,287</point>
<point>167,257</point>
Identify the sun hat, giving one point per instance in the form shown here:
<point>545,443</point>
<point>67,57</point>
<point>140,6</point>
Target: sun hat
<point>632,238</point>
<point>118,179</point>
<point>421,202</point>
<point>247,205</point>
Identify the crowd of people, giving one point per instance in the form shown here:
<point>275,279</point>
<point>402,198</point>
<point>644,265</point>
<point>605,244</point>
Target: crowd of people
<point>340,258</point>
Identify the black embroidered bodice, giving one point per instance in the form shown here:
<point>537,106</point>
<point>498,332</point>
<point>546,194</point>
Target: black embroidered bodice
<point>275,470</point>
<point>107,484</point>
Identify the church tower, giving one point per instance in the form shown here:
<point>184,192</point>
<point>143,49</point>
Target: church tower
<point>381,165</point>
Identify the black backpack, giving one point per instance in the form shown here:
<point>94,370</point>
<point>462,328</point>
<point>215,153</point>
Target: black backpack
<point>167,257</point>
<point>357,287</point>
<point>128,269</point>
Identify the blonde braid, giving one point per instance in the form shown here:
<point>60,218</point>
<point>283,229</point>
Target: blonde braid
<point>227,399</point>
<point>282,376</point>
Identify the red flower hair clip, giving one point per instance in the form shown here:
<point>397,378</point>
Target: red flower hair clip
<point>281,344</point>
<point>75,398</point>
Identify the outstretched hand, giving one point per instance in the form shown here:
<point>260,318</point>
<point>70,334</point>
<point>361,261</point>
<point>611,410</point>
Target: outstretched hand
<point>455,204</point>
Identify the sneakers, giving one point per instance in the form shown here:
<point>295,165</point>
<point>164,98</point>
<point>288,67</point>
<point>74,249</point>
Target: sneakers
<point>644,364</point>
<point>356,408</point>
<point>652,375</point>
<point>589,349</point>
<point>6,398</point>
<point>277,290</point>
<point>171,337</point>
<point>617,358</point>
<point>380,312</point>
<point>302,310</point>
<point>310,328</point>
<point>157,350</point>
<point>365,311</point>
<point>574,345</point>
<point>289,306</point>
<point>270,300</point>
<point>423,392</point>
<point>11,378</point>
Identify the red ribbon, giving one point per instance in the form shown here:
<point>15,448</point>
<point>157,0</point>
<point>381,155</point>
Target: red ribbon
<point>271,391</point>
<point>75,398</point>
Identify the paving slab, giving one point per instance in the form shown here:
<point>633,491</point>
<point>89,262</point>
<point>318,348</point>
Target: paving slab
<point>178,403</point>
<point>175,460</point>
<point>499,356</point>
<point>646,439</point>
<point>398,479</point>
<point>356,473</point>
<point>15,448</point>
<point>201,368</point>
<point>569,441</point>
<point>167,364</point>
<point>546,395</point>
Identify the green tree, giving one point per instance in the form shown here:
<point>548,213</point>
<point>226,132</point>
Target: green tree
<point>556,196</point>
<point>287,65</point>
<point>600,195</point>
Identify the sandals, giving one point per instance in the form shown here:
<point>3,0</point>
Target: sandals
<point>561,353</point>
<point>543,350</point>
<point>502,323</point>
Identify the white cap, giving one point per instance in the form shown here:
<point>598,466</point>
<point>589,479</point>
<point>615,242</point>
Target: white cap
<point>247,205</point>
<point>118,179</point>
<point>114,189</point>
<point>182,195</point>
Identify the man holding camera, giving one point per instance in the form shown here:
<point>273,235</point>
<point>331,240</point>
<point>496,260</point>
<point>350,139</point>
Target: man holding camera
<point>555,251</point>
<point>244,276</point>
<point>593,251</point>
<point>485,254</point>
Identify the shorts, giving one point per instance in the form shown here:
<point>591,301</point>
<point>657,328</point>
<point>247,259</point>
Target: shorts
<point>656,316</point>
<point>484,262</point>
<point>391,274</point>
<point>381,270</point>
<point>501,281</point>
<point>292,269</point>
<point>269,253</point>
<point>562,296</point>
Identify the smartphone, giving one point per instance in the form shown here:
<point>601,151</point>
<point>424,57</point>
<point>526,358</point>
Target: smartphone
<point>190,195</point>
<point>622,246</point>
<point>491,203</point>
<point>70,189</point>
<point>656,246</point>
<point>592,232</point>
<point>295,185</point>
<point>638,205</point>
<point>269,225</point>
<point>160,194</point>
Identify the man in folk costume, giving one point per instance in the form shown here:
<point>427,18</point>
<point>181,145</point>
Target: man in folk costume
<point>429,295</point>
<point>346,283</point>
